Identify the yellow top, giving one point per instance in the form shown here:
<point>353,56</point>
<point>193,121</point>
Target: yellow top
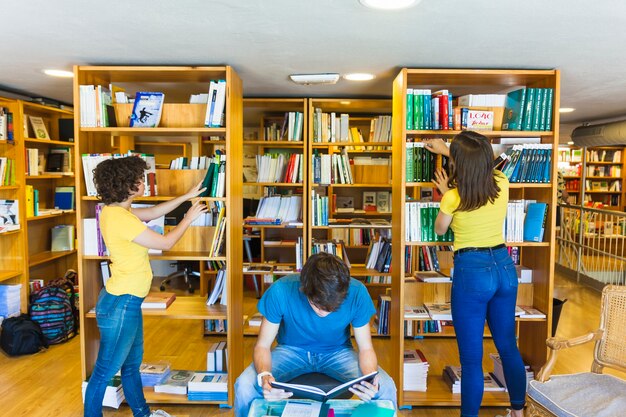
<point>130,266</point>
<point>482,227</point>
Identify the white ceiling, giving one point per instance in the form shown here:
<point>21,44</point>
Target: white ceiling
<point>265,41</point>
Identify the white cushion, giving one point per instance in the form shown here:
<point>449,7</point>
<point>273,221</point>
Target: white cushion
<point>581,395</point>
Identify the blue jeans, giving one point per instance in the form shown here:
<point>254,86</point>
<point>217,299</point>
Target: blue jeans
<point>121,347</point>
<point>289,362</point>
<point>485,287</point>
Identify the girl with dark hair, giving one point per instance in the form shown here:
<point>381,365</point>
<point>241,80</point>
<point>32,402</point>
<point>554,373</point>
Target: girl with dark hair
<point>484,286</point>
<point>118,311</point>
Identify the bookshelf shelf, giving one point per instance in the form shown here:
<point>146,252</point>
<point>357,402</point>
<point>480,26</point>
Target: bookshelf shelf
<point>273,184</point>
<point>51,216</point>
<point>47,109</point>
<point>48,142</point>
<point>603,163</point>
<point>9,187</point>
<point>353,185</point>
<point>48,177</point>
<point>48,256</point>
<point>186,308</point>
<point>274,143</point>
<point>156,131</point>
<point>11,232</point>
<point>163,398</point>
<point>157,198</point>
<point>538,256</point>
<point>7,275</point>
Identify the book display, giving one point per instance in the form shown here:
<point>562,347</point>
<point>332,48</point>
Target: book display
<point>513,118</point>
<point>34,164</point>
<point>275,161</point>
<point>349,186</point>
<point>211,243</point>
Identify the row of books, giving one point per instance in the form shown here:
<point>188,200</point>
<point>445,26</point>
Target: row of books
<point>332,168</point>
<point>358,237</point>
<point>337,248</point>
<point>96,106</point>
<point>91,161</point>
<point>426,110</point>
<point>319,209</point>
<point>6,125</point>
<point>278,210</point>
<point>219,289</point>
<point>443,312</point>
<point>9,215</point>
<point>197,386</point>
<point>420,223</point>
<point>195,162</point>
<point>215,179</point>
<point>333,128</point>
<point>528,163</point>
<point>211,217</point>
<point>417,328</point>
<point>289,130</point>
<point>217,357</point>
<point>379,255</point>
<point>423,258</point>
<point>376,279</point>
<point>525,221</point>
<point>615,185</point>
<point>64,199</point>
<point>219,235</point>
<point>421,164</point>
<point>452,377</point>
<point>280,167</point>
<point>215,326</point>
<point>7,171</point>
<point>528,109</point>
<point>604,155</point>
<point>382,315</point>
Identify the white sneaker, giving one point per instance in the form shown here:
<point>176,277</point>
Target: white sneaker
<point>160,413</point>
<point>508,414</point>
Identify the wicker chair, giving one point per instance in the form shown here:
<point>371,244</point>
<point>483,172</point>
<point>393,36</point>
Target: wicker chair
<point>590,394</point>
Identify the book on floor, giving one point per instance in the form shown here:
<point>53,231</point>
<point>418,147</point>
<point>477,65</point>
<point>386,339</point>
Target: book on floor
<point>314,393</point>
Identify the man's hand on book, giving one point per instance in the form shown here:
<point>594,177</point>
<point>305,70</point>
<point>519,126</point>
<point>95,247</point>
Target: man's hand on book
<point>273,394</point>
<point>366,391</point>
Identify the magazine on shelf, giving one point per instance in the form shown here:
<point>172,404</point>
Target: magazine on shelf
<point>314,393</point>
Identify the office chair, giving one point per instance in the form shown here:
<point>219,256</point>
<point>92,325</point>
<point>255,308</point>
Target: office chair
<point>185,270</point>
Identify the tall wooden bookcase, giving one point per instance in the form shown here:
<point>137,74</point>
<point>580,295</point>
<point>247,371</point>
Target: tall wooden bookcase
<point>441,351</point>
<point>361,113</point>
<point>262,116</point>
<point>181,122</point>
<point>28,249</point>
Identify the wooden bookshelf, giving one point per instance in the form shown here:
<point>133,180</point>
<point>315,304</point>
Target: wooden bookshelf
<point>537,256</point>
<point>181,132</point>
<point>266,131</point>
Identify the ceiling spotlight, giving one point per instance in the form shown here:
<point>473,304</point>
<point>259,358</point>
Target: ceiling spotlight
<point>389,4</point>
<point>566,110</point>
<point>59,73</point>
<point>307,79</point>
<point>359,76</point>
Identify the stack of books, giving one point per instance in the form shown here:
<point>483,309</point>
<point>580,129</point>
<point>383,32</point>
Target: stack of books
<point>158,300</point>
<point>415,371</point>
<point>153,373</point>
<point>498,371</point>
<point>175,383</point>
<point>114,394</point>
<point>10,300</point>
<point>208,386</point>
<point>452,377</point>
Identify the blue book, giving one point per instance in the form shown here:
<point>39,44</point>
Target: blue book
<point>147,109</point>
<point>64,198</point>
<point>535,222</point>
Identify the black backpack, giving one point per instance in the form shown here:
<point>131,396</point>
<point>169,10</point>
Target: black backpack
<point>21,336</point>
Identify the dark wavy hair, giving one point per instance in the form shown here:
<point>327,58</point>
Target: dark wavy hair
<point>325,280</point>
<point>116,179</point>
<point>472,170</point>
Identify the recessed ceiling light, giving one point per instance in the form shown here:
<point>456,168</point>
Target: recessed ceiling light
<point>359,76</point>
<point>59,73</point>
<point>322,78</point>
<point>566,110</point>
<point>389,4</point>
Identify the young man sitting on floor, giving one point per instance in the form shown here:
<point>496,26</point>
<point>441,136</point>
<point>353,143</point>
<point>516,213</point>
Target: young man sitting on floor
<point>312,314</point>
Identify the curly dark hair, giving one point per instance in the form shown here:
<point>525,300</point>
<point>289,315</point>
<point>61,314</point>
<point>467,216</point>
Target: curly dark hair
<point>325,280</point>
<point>116,179</point>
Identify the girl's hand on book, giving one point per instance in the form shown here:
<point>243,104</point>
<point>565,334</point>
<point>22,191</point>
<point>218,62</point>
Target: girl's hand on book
<point>196,209</point>
<point>195,191</point>
<point>366,391</point>
<point>441,181</point>
<point>273,394</point>
<point>437,146</point>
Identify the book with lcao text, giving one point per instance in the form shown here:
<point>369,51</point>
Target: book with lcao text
<point>317,394</point>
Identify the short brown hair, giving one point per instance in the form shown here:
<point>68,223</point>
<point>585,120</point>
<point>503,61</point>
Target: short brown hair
<point>116,179</point>
<point>325,280</point>
<point>472,170</point>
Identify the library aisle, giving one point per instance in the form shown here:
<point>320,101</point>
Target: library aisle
<point>24,394</point>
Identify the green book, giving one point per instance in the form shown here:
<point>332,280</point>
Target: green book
<point>528,108</point>
<point>537,109</point>
<point>514,109</point>
<point>409,109</point>
<point>549,103</point>
<point>410,166</point>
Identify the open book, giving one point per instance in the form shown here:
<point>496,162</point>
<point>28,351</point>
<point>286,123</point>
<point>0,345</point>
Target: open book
<point>314,393</point>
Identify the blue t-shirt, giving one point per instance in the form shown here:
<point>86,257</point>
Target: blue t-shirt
<point>283,303</point>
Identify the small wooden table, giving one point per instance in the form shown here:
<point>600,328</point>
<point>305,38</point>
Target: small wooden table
<point>342,408</point>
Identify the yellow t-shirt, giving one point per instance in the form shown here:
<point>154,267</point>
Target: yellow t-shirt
<point>130,266</point>
<point>481,227</point>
